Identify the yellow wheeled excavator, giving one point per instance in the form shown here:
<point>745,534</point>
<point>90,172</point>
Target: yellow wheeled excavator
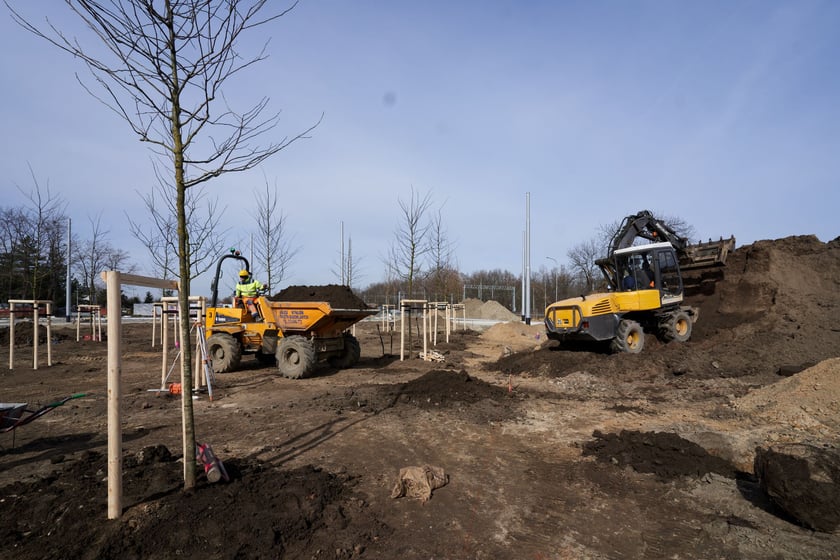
<point>645,288</point>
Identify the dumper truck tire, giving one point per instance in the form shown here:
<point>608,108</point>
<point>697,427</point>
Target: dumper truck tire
<point>676,327</point>
<point>295,357</point>
<point>224,352</point>
<point>350,355</point>
<point>629,337</point>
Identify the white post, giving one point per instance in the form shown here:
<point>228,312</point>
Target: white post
<point>154,322</point>
<point>49,333</point>
<point>434,309</point>
<point>113,280</point>
<point>402,333</point>
<point>425,332</point>
<point>112,285</point>
<point>11,334</point>
<point>164,341</point>
<point>35,336</point>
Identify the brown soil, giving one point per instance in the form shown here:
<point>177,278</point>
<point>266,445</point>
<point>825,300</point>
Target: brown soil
<point>551,452</point>
<point>339,297</point>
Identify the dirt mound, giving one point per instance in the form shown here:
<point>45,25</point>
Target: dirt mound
<point>487,310</point>
<point>304,505</point>
<point>339,297</point>
<point>25,334</point>
<point>810,398</point>
<point>442,389</point>
<point>475,400</point>
<point>666,455</point>
<point>789,280</point>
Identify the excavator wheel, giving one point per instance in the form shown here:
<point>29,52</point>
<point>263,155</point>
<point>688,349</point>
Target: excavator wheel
<point>224,352</point>
<point>295,357</point>
<point>629,337</point>
<point>351,354</point>
<point>676,327</point>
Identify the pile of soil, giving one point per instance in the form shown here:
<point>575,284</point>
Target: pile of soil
<point>487,310</point>
<point>666,455</point>
<point>25,334</point>
<point>439,389</point>
<point>339,297</point>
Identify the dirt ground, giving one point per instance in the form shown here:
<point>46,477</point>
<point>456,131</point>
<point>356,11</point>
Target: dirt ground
<point>550,453</point>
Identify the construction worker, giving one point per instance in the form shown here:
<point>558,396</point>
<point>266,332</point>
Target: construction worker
<point>247,289</point>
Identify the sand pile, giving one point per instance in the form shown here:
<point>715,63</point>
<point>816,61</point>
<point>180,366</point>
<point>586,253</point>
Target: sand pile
<point>514,337</point>
<point>488,310</point>
<point>809,399</point>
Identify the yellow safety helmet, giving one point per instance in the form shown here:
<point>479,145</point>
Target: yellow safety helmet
<point>244,273</point>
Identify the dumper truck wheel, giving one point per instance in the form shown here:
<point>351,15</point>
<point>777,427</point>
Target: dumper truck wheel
<point>350,355</point>
<point>629,337</point>
<point>224,352</point>
<point>676,327</point>
<point>295,357</point>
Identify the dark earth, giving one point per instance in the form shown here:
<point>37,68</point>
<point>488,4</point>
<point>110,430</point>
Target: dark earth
<point>551,452</point>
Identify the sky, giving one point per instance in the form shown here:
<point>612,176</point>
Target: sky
<point>723,113</point>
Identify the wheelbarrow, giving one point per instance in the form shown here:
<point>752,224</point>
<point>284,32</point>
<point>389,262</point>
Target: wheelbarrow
<point>14,415</point>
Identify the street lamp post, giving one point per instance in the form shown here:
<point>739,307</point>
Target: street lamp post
<point>555,276</point>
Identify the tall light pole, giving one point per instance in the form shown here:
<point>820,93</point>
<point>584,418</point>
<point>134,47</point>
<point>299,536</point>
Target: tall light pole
<point>555,276</point>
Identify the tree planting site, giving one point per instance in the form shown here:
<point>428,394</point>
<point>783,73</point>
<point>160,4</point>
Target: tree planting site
<point>507,445</point>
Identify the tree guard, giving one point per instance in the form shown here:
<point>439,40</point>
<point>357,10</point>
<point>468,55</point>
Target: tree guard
<point>36,305</point>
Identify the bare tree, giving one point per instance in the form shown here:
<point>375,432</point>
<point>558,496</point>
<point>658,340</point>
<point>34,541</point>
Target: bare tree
<point>441,250</point>
<point>97,254</point>
<point>206,238</point>
<point>273,249</point>
<point>347,270</point>
<point>410,239</point>
<point>42,237</point>
<point>163,71</point>
<point>351,266</point>
<point>582,258</point>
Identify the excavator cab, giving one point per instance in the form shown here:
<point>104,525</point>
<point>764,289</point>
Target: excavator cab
<point>646,267</point>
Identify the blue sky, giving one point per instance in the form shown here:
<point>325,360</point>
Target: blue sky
<point>724,113</point>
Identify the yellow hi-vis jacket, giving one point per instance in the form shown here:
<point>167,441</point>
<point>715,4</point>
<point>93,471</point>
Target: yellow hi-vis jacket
<point>251,289</point>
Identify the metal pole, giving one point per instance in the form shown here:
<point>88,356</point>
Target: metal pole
<point>524,249</point>
<point>528,257</point>
<point>67,294</point>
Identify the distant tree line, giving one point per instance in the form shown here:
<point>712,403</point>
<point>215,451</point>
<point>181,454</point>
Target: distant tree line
<point>33,253</point>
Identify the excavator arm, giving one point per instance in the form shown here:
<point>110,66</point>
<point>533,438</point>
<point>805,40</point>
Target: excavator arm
<point>646,226</point>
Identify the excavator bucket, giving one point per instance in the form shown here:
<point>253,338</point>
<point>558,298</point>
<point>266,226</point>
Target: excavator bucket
<point>706,255</point>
